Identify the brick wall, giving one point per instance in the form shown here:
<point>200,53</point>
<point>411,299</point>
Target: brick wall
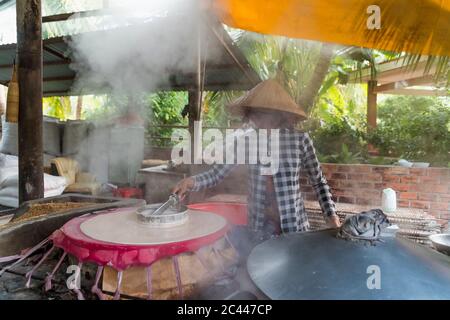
<point>427,188</point>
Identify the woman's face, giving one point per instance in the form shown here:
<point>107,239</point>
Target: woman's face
<point>266,119</point>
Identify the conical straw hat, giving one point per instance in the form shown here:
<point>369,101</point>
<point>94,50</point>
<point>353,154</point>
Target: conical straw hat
<point>269,95</point>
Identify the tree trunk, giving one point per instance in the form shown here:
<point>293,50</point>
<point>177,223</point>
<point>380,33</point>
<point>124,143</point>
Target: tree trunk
<point>307,99</point>
<point>79,108</point>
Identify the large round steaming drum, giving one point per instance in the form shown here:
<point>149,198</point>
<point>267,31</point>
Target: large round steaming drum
<point>160,262</point>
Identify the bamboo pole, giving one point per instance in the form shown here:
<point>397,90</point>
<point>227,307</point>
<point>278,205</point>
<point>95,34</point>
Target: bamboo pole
<point>29,57</point>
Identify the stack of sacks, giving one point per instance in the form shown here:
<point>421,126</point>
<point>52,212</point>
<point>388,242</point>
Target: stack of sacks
<point>51,138</point>
<point>9,182</point>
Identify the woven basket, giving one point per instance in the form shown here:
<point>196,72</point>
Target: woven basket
<point>12,104</point>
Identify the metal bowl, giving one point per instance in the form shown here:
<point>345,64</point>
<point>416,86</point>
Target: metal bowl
<point>169,218</point>
<point>441,242</point>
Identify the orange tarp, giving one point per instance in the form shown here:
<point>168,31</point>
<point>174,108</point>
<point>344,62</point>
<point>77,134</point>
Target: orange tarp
<point>415,26</point>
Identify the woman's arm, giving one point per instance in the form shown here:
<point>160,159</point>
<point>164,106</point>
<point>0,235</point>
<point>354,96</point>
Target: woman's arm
<point>203,180</point>
<point>318,181</point>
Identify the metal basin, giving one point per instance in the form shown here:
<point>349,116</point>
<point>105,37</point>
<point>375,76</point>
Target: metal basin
<point>20,235</point>
<point>441,242</point>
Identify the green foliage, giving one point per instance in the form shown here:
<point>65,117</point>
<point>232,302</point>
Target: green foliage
<point>415,128</point>
<point>338,118</point>
<point>165,108</point>
<point>344,156</point>
<point>57,107</point>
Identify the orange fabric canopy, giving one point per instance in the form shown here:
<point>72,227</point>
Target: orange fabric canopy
<point>414,26</point>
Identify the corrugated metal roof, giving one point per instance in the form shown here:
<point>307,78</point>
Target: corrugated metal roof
<point>226,66</point>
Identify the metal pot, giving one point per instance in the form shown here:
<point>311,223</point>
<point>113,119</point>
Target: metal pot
<point>441,242</point>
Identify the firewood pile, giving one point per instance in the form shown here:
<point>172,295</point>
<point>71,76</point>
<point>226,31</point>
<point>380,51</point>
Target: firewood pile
<point>414,224</point>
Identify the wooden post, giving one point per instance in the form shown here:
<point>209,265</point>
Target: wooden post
<point>371,112</point>
<point>196,93</point>
<point>371,104</point>
<point>29,58</point>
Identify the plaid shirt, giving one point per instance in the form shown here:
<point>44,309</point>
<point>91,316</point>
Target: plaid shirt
<point>296,153</point>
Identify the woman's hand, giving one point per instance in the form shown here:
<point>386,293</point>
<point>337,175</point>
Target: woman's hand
<point>183,187</point>
<point>333,221</point>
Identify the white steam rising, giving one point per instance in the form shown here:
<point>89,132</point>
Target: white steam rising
<point>138,46</point>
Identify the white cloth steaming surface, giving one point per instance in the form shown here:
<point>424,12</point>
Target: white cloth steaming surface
<point>125,228</point>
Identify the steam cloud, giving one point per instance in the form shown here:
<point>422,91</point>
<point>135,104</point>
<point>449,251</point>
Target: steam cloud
<point>135,50</point>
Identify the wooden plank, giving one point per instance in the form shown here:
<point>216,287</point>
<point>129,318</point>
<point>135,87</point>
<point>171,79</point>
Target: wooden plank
<point>29,57</point>
<point>420,81</point>
<point>392,71</point>
<point>418,92</point>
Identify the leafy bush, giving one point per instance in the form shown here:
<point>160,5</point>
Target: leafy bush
<point>415,128</point>
<point>165,108</point>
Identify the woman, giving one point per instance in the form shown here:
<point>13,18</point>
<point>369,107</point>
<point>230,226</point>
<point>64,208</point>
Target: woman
<point>275,204</point>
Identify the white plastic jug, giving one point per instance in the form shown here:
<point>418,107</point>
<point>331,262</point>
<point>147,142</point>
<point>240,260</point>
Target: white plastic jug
<point>389,200</point>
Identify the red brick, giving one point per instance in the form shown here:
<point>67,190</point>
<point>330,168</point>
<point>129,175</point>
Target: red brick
<point>360,169</point>
<point>346,199</point>
<point>408,195</point>
<point>428,187</point>
<point>428,180</point>
<point>341,176</point>
<point>338,192</point>
<point>347,184</point>
<point>418,171</point>
<point>363,201</point>
<point>400,187</point>
<point>398,171</point>
<point>356,176</point>
<point>343,168</point>
<point>391,179</point>
<point>367,192</point>
<point>410,179</point>
<point>445,216</point>
<point>380,169</point>
<point>333,183</point>
<point>420,204</point>
<point>440,189</point>
<point>439,206</point>
<point>427,197</point>
<point>329,166</point>
<point>365,185</point>
<point>439,172</point>
<point>403,203</point>
<point>444,198</point>
<point>374,177</point>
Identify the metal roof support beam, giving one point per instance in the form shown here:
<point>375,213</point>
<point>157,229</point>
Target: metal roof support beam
<point>29,53</point>
<point>56,54</point>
